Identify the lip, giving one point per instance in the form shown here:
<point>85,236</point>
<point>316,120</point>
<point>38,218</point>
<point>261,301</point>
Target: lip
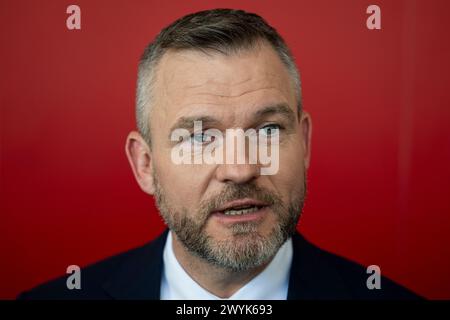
<point>254,216</point>
<point>239,203</point>
<point>248,217</point>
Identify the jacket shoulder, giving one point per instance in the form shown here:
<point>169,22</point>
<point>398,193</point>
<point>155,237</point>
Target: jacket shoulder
<point>94,277</point>
<point>339,277</point>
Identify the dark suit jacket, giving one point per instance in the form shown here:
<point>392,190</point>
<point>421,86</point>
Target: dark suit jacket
<point>136,274</point>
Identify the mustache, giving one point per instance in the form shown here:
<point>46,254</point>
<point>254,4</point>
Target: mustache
<point>238,191</point>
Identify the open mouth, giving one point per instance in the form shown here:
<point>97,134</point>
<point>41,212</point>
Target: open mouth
<point>241,210</point>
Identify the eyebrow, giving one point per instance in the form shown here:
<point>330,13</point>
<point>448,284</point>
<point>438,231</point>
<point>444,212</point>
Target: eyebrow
<point>280,109</point>
<point>188,122</point>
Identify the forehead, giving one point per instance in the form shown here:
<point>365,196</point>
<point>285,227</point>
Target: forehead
<point>190,82</point>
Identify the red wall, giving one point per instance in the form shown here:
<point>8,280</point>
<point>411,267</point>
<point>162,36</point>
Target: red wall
<point>380,178</point>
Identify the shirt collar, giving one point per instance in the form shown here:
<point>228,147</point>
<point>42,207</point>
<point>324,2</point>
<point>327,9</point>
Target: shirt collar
<point>271,284</point>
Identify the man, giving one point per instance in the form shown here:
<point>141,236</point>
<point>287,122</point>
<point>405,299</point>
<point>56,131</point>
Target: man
<point>232,229</point>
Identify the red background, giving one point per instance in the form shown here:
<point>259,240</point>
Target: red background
<point>379,181</point>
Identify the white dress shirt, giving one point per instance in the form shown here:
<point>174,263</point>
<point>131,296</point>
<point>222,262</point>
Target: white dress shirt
<point>271,284</point>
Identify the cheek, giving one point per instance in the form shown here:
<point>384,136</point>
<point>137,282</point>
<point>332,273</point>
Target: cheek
<point>183,184</point>
<point>290,175</point>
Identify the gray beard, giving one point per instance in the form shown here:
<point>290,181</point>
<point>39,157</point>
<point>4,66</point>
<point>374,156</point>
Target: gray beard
<point>248,249</point>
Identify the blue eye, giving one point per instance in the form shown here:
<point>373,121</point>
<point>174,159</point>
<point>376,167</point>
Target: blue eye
<point>270,129</point>
<point>200,137</point>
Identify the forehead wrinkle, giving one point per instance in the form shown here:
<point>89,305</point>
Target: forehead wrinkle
<point>239,88</point>
<point>223,104</point>
<point>212,83</point>
<point>236,95</point>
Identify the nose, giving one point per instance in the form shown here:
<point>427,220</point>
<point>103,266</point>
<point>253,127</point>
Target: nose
<point>237,173</point>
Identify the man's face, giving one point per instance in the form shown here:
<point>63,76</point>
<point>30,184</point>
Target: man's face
<point>234,91</point>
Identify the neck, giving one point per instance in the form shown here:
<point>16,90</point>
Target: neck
<point>221,282</point>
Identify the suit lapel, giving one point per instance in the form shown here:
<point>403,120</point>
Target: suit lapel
<point>139,276</point>
<point>312,276</point>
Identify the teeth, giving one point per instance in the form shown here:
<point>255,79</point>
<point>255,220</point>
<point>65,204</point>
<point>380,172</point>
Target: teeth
<point>236,212</point>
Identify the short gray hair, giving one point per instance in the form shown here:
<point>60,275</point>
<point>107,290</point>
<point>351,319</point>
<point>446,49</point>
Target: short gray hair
<point>219,30</point>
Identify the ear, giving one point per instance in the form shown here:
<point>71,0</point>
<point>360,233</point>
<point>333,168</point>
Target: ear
<point>306,133</point>
<point>140,158</point>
